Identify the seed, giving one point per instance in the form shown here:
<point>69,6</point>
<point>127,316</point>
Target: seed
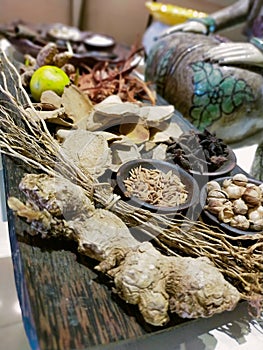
<point>156,187</point>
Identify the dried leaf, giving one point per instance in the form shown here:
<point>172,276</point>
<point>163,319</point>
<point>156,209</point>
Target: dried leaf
<point>77,105</point>
<point>138,133</point>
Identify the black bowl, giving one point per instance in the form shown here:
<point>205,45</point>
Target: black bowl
<point>189,182</point>
<point>213,220</point>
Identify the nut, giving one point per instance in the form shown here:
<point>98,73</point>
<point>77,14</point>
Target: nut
<point>213,185</point>
<point>257,225</point>
<point>238,202</point>
<point>217,194</point>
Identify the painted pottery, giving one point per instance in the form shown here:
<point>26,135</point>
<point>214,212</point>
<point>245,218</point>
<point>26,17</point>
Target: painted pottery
<point>223,99</point>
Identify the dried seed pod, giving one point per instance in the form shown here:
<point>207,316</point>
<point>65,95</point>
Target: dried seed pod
<point>226,214</point>
<point>257,225</point>
<point>213,185</point>
<point>255,214</point>
<point>69,69</point>
<point>252,195</point>
<point>234,191</point>
<point>240,179</point>
<point>156,187</point>
<point>30,60</point>
<point>62,58</point>
<point>240,222</point>
<point>239,206</point>
<point>217,194</point>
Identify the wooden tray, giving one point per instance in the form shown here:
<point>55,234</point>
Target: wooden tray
<point>65,303</point>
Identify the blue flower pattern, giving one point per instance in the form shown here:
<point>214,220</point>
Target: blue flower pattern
<point>215,94</point>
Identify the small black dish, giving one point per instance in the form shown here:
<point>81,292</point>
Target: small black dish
<point>213,220</point>
<point>189,182</point>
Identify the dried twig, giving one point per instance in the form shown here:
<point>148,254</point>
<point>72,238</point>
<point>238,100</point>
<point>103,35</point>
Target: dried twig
<point>104,80</point>
<point>31,142</point>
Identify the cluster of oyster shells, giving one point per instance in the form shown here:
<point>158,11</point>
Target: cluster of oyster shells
<point>237,202</point>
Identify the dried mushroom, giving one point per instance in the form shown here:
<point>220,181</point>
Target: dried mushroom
<point>237,201</point>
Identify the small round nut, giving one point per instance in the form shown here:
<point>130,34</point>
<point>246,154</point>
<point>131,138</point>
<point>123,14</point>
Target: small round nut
<point>226,214</point>
<point>234,191</point>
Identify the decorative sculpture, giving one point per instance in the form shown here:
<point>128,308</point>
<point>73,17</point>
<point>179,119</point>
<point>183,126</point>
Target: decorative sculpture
<point>213,82</point>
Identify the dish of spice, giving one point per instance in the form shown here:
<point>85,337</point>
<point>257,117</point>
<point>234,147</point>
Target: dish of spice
<point>157,185</point>
<point>201,153</point>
